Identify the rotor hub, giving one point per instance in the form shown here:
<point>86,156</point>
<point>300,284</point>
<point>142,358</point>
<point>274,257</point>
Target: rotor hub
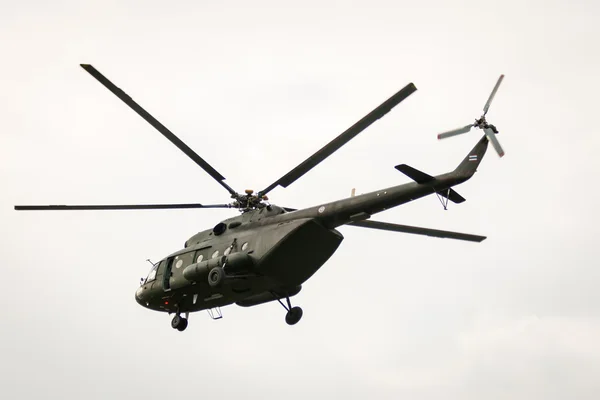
<point>249,201</point>
<point>481,122</point>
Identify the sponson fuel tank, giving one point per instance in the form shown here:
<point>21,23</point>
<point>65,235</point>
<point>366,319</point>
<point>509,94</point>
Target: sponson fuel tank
<point>231,263</point>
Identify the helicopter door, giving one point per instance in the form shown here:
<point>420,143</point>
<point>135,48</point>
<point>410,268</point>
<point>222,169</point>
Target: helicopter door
<point>167,275</point>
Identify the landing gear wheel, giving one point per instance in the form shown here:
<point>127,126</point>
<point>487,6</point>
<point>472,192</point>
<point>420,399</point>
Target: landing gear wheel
<point>293,315</point>
<point>179,323</point>
<point>216,276</point>
<point>182,325</point>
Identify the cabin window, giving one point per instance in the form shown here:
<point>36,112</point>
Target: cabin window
<point>227,251</point>
<point>183,260</point>
<point>201,254</point>
<point>152,274</point>
<point>245,246</point>
<point>215,254</point>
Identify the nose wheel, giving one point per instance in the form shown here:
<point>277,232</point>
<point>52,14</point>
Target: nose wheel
<point>294,314</point>
<point>179,323</point>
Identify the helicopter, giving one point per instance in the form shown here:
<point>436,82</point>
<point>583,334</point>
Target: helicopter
<point>267,252</point>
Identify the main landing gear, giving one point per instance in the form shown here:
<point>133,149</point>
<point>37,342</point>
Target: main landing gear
<point>294,314</point>
<point>179,323</point>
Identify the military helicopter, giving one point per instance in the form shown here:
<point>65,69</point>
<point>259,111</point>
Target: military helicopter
<point>267,252</point>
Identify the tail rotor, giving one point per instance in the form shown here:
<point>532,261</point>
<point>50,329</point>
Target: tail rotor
<point>481,123</point>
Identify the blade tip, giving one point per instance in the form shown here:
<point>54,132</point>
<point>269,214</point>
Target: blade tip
<point>87,67</point>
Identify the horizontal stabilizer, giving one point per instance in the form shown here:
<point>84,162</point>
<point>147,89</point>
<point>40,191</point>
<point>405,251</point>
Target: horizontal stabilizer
<point>451,195</point>
<point>414,174</point>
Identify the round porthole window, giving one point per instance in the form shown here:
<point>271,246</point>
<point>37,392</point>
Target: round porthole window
<point>244,246</point>
<point>227,251</point>
<point>200,257</point>
<point>179,264</point>
<point>215,254</point>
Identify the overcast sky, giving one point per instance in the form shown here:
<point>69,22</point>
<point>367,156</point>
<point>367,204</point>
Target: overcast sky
<point>254,88</point>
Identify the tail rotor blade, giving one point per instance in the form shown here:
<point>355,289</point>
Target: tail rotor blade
<point>455,132</point>
<point>492,138</point>
<point>489,102</point>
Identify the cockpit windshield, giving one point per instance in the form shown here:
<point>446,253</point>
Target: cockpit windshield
<point>152,274</point>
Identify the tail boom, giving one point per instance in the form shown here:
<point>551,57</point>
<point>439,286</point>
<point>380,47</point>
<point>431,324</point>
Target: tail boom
<point>361,207</point>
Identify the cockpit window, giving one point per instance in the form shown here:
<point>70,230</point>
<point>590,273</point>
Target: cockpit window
<point>152,274</point>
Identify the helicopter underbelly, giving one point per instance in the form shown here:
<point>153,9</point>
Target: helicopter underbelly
<point>300,252</point>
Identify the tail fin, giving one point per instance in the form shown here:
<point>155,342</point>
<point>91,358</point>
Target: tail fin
<point>469,165</point>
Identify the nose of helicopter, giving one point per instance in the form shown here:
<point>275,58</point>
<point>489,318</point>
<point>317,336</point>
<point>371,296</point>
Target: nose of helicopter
<point>139,296</point>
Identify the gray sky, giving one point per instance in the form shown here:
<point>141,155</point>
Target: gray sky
<point>255,88</point>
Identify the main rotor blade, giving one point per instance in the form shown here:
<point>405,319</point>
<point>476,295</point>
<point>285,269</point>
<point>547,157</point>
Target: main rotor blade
<point>492,138</point>
<point>455,132</point>
<point>159,127</point>
<point>386,226</point>
<point>342,139</point>
<point>489,102</point>
<point>121,207</point>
